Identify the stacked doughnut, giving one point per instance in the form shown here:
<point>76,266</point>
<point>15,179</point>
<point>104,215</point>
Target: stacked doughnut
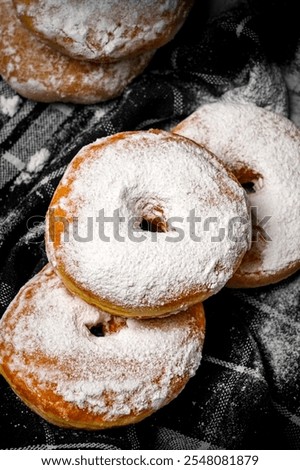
<point>262,149</point>
<point>82,52</point>
<point>143,227</point>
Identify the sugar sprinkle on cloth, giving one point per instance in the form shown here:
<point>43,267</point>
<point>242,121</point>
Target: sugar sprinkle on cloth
<point>246,393</point>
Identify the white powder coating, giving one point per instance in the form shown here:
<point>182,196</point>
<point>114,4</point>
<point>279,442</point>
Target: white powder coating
<point>38,72</point>
<point>9,106</point>
<point>279,333</point>
<point>264,88</point>
<point>45,339</point>
<point>35,164</point>
<point>106,29</point>
<point>283,345</point>
<point>249,137</point>
<point>144,175</point>
<point>38,160</point>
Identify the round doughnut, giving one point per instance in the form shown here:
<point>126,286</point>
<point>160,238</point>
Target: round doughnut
<point>106,30</point>
<point>40,73</point>
<point>79,367</point>
<point>262,149</point>
<point>149,256</point>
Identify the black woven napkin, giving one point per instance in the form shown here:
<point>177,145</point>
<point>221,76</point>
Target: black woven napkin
<point>246,392</point>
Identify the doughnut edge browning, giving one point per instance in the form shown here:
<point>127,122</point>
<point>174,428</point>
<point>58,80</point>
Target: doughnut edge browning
<point>47,403</point>
<point>53,236</point>
<point>134,40</point>
<point>57,77</point>
<point>198,127</point>
<point>259,279</point>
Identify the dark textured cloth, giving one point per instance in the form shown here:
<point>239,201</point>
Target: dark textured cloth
<point>246,391</point>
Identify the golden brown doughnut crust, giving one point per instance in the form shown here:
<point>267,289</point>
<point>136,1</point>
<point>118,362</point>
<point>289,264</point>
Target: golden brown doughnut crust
<point>106,30</point>
<point>74,379</point>
<point>262,149</point>
<point>129,294</point>
<point>40,73</point>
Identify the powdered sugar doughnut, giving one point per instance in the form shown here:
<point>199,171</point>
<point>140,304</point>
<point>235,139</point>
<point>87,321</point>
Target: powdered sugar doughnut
<point>77,366</point>
<point>151,255</point>
<point>105,30</point>
<point>262,149</point>
<point>40,73</point>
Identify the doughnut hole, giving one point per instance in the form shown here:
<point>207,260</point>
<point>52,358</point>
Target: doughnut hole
<point>97,330</point>
<point>107,327</point>
<point>249,187</point>
<point>149,213</point>
<point>153,220</point>
<point>252,182</point>
<point>249,179</point>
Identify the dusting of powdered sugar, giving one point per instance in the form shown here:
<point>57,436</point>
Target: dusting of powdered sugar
<point>245,135</point>
<point>51,76</point>
<point>151,174</point>
<point>265,87</point>
<point>92,30</point>
<point>9,106</point>
<point>35,164</point>
<point>281,339</point>
<point>279,332</point>
<point>45,336</point>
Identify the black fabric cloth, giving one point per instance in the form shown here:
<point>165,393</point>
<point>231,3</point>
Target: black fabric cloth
<point>246,391</point>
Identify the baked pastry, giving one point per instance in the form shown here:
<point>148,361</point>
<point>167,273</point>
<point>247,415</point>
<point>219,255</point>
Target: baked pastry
<point>262,149</point>
<point>40,73</point>
<point>146,223</point>
<point>106,30</point>
<point>79,367</point>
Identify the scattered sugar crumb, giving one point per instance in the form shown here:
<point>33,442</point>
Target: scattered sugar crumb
<point>100,112</point>
<point>9,106</point>
<point>38,160</point>
<point>283,347</point>
<point>34,165</point>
